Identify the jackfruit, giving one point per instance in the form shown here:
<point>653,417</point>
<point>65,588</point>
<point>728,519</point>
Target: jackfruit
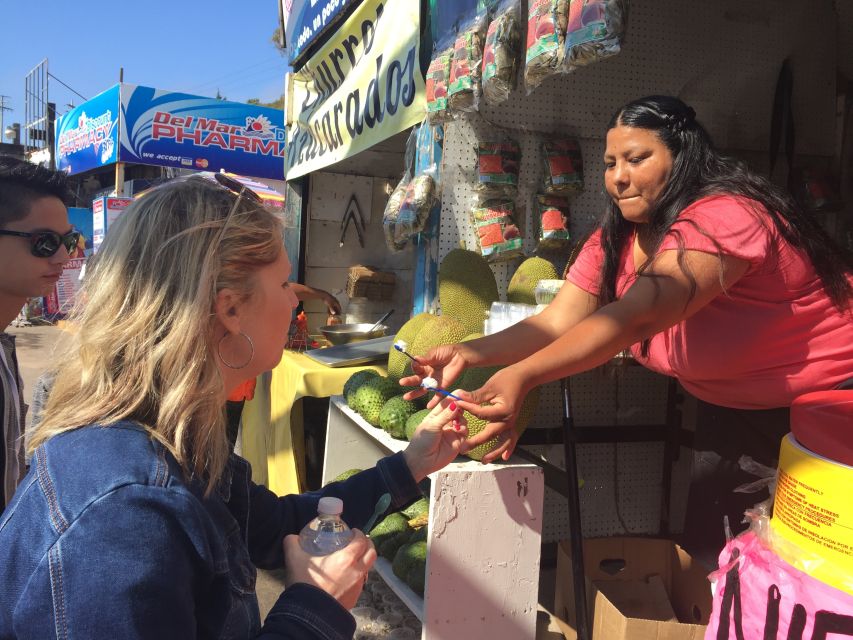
<point>526,277</point>
<point>437,331</point>
<point>395,413</point>
<point>355,381</point>
<point>410,565</point>
<point>398,364</point>
<point>417,508</point>
<point>371,396</point>
<point>473,379</point>
<point>414,422</point>
<point>476,425</point>
<point>466,288</point>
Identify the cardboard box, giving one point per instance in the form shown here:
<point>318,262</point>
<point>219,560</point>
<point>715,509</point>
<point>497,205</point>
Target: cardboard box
<point>637,589</point>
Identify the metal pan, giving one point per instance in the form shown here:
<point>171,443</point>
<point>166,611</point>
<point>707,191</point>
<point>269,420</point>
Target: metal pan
<point>349,333</point>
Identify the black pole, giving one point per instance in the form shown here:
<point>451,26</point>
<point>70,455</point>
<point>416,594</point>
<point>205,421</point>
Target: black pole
<point>575,529</point>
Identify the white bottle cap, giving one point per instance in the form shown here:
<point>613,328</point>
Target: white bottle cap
<point>330,506</point>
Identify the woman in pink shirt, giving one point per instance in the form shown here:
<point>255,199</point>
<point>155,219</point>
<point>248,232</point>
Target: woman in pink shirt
<point>703,269</point>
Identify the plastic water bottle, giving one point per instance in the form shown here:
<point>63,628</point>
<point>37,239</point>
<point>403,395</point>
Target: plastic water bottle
<point>326,533</point>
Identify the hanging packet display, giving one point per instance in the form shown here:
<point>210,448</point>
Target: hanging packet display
<point>497,229</point>
<point>394,240</point>
<point>497,168</point>
<point>595,31</point>
<point>437,79</point>
<point>419,199</point>
<point>546,32</point>
<point>464,87</point>
<point>552,214</point>
<point>500,54</point>
<point>563,166</point>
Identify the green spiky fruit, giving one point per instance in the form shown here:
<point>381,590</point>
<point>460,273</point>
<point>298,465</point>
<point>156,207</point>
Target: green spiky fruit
<point>388,548</point>
<point>389,527</point>
<point>526,277</point>
<point>410,565</point>
<point>437,331</point>
<point>371,396</point>
<point>345,475</point>
<point>466,288</point>
<point>355,381</point>
<point>395,413</point>
<point>414,422</point>
<point>419,535</point>
<point>397,362</point>
<point>476,425</point>
<point>417,508</point>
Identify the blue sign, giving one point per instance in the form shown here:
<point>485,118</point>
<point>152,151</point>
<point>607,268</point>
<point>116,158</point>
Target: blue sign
<point>306,20</point>
<point>172,129</point>
<point>87,136</point>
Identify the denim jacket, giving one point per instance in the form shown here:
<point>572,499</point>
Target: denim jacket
<point>105,538</point>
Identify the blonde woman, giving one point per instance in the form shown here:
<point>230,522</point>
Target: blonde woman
<point>134,520</point>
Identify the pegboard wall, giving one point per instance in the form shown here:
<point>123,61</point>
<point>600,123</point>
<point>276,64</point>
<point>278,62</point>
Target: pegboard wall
<point>722,58</point>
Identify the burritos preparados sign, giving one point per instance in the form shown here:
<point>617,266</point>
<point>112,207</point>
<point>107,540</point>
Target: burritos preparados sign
<point>363,86</point>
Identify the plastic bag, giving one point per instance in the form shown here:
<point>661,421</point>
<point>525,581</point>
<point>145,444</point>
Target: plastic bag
<point>563,166</point>
<point>759,595</point>
<point>497,168</point>
<point>465,69</point>
<point>392,213</point>
<point>501,51</point>
<point>552,216</point>
<point>498,232</point>
<point>546,34</point>
<point>397,241</point>
<point>437,84</point>
<point>418,201</point>
<point>422,191</point>
<point>595,31</point>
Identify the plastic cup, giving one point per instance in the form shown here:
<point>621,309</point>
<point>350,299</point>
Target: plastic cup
<point>364,616</point>
<point>388,621</point>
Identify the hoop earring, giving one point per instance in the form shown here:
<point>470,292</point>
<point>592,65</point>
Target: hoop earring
<point>228,364</point>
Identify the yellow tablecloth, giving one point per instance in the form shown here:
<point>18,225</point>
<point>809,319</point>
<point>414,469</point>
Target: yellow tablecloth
<point>272,437</point>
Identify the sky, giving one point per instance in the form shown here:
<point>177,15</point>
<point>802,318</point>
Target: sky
<point>187,45</point>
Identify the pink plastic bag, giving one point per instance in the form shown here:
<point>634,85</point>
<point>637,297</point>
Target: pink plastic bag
<point>759,596</point>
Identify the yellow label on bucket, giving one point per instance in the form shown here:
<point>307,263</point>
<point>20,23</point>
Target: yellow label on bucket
<point>813,511</point>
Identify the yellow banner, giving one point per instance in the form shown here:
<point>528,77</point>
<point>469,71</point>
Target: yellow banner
<point>363,86</point>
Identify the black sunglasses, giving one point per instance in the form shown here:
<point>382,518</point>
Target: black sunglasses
<point>237,188</point>
<point>44,244</point>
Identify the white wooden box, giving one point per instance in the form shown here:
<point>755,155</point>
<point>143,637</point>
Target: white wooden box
<point>485,528</point>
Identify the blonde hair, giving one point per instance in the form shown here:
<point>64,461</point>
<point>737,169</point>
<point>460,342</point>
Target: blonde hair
<point>142,344</point>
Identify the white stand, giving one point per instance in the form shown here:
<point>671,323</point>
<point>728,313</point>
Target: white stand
<point>485,526</point>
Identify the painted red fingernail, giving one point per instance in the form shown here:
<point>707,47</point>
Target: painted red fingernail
<point>453,406</point>
<point>457,426</point>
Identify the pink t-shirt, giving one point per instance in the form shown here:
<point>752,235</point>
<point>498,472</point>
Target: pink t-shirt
<point>773,336</point>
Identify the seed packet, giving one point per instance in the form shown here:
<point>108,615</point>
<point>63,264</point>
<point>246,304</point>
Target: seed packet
<point>546,33</point>
<point>498,232</point>
<point>497,168</point>
<point>563,166</point>
<point>437,80</point>
<point>465,69</point>
<point>501,52</point>
<point>552,215</point>
<point>595,31</point>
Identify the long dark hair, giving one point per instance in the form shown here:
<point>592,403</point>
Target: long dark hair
<point>698,171</point>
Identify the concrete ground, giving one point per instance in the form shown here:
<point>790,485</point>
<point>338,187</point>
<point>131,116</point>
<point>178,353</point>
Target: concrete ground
<point>36,345</point>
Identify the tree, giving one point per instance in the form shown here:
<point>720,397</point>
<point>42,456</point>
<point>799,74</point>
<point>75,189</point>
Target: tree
<point>276,40</point>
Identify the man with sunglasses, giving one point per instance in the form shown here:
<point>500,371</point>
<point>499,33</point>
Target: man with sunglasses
<point>35,241</point>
